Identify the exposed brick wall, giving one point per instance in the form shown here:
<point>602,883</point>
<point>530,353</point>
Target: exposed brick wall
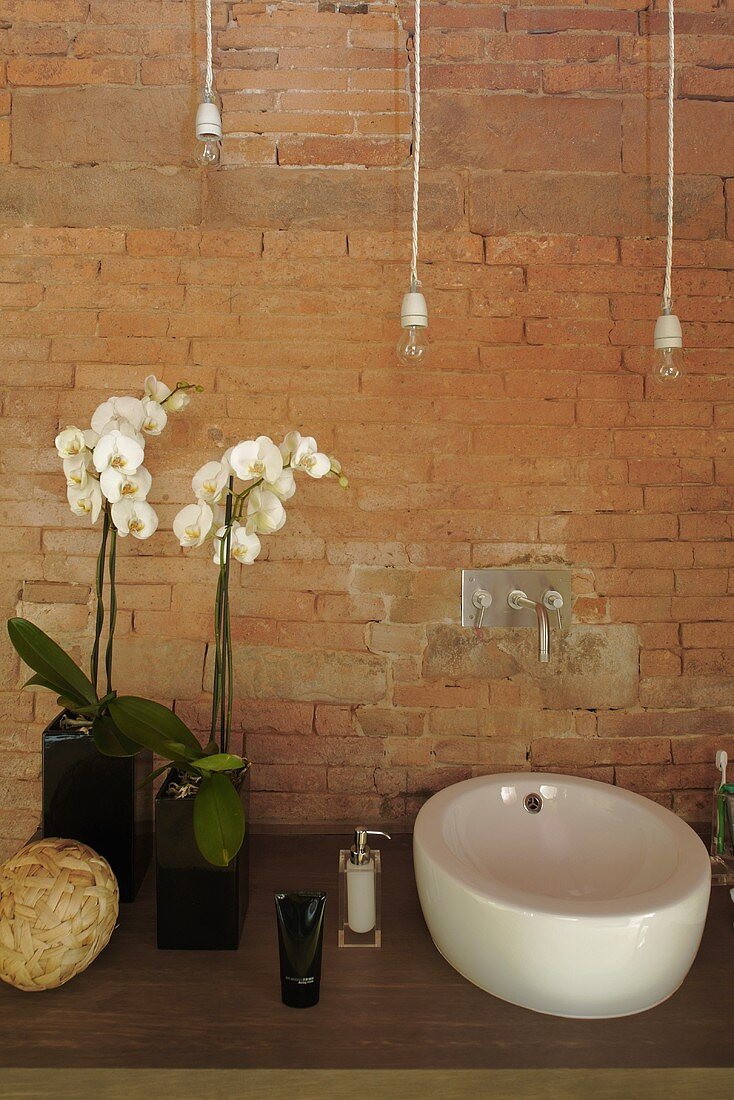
<point>533,435</point>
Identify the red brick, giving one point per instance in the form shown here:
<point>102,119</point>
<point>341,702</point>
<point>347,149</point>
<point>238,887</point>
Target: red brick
<point>508,131</point>
<point>704,130</point>
<point>67,71</point>
<point>338,150</point>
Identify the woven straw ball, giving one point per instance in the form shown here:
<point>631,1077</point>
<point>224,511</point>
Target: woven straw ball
<point>58,907</point>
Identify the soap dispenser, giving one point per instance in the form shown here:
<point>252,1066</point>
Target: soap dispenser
<point>359,892</point>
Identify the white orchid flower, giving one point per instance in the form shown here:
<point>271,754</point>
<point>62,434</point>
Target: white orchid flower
<point>257,458</point>
<point>178,400</point>
<point>284,487</point>
<point>193,523</point>
<point>118,485</point>
<point>159,391</point>
<point>245,546</point>
<point>156,417</point>
<point>134,517</point>
<point>91,438</point>
<point>124,427</point>
<point>308,458</point>
<point>118,451</point>
<point>130,409</point>
<point>290,444</point>
<point>210,481</point>
<point>70,442</point>
<point>85,501</point>
<point>265,513</point>
<point>75,469</point>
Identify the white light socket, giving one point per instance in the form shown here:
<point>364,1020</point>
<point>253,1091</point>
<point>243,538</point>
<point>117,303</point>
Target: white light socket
<point>668,333</point>
<point>414,311</point>
<point>208,122</point>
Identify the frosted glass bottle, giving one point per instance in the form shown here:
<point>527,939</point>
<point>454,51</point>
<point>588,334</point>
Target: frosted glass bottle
<point>360,892</point>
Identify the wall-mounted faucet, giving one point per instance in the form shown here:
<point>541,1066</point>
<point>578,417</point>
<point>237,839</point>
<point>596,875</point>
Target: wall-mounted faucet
<point>517,600</point>
<point>500,597</point>
<point>553,601</point>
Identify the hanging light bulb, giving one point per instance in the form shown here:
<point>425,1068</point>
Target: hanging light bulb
<point>208,117</point>
<point>412,347</point>
<point>668,363</point>
<point>668,354</point>
<point>208,133</point>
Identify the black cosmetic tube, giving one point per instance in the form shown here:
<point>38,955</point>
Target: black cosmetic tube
<point>300,937</point>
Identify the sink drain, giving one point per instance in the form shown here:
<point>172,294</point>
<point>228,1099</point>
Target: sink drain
<point>533,803</point>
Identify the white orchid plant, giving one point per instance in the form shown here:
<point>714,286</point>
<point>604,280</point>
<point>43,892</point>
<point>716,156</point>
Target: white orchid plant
<point>239,498</point>
<point>105,474</point>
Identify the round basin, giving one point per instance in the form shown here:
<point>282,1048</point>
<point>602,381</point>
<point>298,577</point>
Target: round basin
<point>563,895</point>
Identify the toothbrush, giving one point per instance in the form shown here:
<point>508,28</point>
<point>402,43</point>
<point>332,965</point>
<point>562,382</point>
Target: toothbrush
<point>721,761</point>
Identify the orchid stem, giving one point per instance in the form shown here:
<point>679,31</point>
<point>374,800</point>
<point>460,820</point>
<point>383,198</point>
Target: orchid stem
<point>221,718</point>
<point>99,594</point>
<point>112,563</point>
<point>216,681</point>
<point>226,690</point>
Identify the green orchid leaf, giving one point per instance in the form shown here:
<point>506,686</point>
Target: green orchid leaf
<point>154,727</point>
<point>177,752</point>
<point>49,661</point>
<point>153,775</point>
<point>219,821</point>
<point>221,762</point>
<point>110,740</point>
<point>57,688</point>
<point>73,705</point>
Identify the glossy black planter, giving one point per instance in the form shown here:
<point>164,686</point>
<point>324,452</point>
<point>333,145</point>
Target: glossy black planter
<point>198,906</point>
<point>98,800</point>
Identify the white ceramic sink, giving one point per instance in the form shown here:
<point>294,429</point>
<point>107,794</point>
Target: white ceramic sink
<point>591,907</point>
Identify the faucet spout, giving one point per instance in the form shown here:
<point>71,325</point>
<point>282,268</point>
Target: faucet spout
<point>518,599</point>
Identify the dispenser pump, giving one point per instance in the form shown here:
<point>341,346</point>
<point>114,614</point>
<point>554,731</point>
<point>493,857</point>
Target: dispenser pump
<point>360,852</point>
<point>360,877</point>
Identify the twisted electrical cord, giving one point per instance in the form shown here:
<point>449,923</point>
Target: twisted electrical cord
<point>416,144</point>
<point>209,77</point>
<point>667,288</point>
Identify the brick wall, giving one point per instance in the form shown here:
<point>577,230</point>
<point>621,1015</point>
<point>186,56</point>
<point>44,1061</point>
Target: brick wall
<point>533,435</point>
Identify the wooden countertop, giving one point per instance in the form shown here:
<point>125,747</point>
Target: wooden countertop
<point>401,1007</point>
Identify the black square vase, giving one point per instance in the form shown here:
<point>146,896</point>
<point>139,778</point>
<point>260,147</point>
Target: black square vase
<point>198,906</point>
<point>99,801</point>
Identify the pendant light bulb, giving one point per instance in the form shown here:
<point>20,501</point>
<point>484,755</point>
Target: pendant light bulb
<point>668,365</point>
<point>667,361</point>
<point>412,347</point>
<point>208,133</point>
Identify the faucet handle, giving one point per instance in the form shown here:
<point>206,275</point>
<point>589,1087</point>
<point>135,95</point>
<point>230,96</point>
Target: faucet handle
<point>553,601</point>
<point>481,600</point>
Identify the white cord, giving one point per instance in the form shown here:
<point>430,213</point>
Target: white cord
<point>209,78</point>
<point>667,288</point>
<point>416,144</point>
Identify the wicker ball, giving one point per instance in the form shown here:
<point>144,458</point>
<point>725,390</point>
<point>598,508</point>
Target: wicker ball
<point>58,906</point>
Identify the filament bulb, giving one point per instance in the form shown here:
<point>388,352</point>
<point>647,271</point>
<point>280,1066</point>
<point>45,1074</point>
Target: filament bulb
<point>207,153</point>
<point>668,344</point>
<point>668,364</point>
<point>412,347</point>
